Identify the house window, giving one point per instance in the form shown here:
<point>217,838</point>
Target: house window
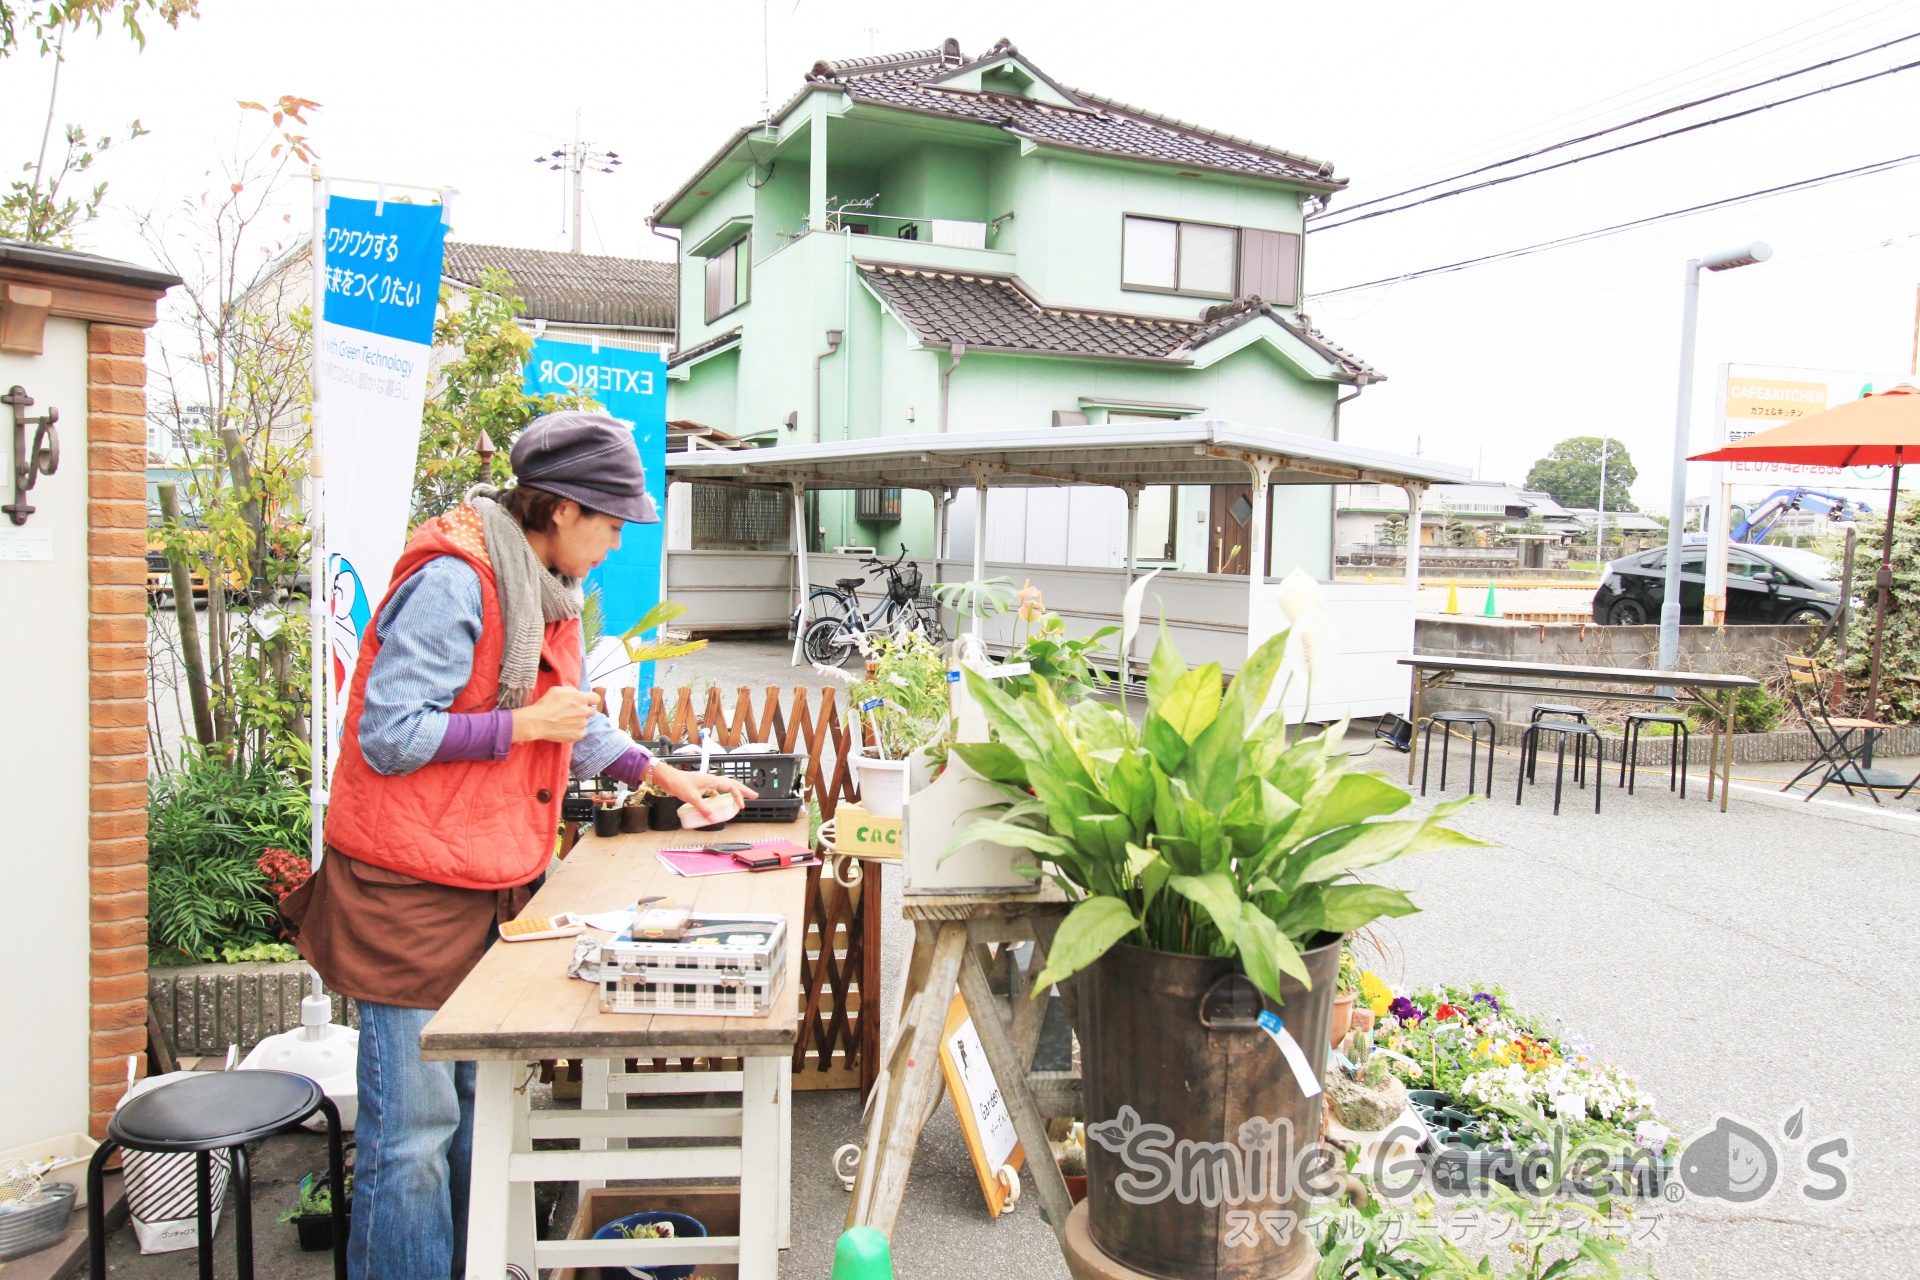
<point>727,273</point>
<point>1270,266</point>
<point>877,506</point>
<point>1178,257</point>
<point>726,518</point>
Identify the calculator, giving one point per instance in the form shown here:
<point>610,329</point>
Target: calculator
<point>533,928</point>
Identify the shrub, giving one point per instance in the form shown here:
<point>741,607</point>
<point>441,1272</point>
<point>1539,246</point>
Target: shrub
<point>210,825</point>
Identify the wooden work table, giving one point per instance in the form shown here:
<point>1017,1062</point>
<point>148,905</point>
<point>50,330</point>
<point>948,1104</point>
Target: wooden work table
<point>519,998</point>
<point>518,1006</point>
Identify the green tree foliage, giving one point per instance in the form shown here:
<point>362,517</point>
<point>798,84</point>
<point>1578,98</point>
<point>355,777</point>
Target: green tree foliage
<point>1900,661</point>
<point>1571,474</point>
<point>482,388</point>
<point>34,208</point>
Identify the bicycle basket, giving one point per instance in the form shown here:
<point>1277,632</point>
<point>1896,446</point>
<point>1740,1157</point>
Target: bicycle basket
<point>905,586</point>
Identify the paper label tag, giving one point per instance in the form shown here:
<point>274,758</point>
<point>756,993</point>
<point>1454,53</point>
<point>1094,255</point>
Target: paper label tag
<point>953,677</point>
<point>1006,669</point>
<point>1290,1049</point>
<point>872,704</point>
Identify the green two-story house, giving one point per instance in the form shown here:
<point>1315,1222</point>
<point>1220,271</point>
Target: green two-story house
<point>928,242</point>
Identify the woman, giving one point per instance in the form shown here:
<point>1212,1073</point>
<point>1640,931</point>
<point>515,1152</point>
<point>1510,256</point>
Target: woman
<point>467,711</point>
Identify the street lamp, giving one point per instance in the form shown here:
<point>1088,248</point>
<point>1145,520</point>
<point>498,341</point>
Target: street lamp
<point>1743,256</point>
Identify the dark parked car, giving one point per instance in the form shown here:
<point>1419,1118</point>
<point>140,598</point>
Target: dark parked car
<point>1764,585</point>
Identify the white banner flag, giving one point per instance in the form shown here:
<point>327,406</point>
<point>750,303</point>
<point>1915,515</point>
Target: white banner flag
<point>379,263</point>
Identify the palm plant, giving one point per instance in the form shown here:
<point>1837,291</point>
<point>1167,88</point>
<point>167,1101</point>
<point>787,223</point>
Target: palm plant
<point>1204,830</point>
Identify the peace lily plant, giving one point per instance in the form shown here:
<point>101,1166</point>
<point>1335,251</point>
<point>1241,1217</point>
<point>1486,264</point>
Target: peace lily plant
<point>1203,831</point>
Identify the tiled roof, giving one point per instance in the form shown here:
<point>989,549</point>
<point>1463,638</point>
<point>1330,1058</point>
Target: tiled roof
<point>579,288</point>
<point>999,312</point>
<point>911,81</point>
<point>715,343</point>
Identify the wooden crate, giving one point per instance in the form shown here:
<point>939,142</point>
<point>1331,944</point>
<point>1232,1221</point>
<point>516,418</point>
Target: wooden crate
<point>717,1208</point>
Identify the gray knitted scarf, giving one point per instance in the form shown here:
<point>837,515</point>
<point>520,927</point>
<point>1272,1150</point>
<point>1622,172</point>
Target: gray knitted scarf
<point>531,596</point>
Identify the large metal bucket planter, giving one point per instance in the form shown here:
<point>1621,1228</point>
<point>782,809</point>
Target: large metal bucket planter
<point>1208,1116</point>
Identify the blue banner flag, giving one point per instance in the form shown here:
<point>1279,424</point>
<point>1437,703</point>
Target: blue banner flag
<point>383,267</point>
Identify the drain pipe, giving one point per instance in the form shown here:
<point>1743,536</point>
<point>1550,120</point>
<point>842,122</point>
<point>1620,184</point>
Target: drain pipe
<point>1359,385</point>
<point>833,344</point>
<point>956,350</point>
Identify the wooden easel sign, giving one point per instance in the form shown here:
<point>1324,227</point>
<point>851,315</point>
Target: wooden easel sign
<point>985,1120</point>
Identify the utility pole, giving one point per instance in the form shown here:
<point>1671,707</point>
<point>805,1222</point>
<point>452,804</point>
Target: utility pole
<point>575,159</point>
<point>1600,523</point>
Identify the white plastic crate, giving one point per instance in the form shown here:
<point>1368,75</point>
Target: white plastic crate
<point>727,966</point>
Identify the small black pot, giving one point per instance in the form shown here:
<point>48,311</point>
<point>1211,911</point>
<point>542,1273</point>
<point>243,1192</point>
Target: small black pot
<point>634,818</point>
<point>606,820</point>
<point>663,813</point>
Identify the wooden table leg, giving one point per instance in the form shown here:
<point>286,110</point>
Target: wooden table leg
<point>1011,1075</point>
<point>910,1075</point>
<point>1726,775</point>
<point>487,1211</point>
<point>766,1081</point>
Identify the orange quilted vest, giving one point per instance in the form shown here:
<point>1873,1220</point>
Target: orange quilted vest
<point>473,824</point>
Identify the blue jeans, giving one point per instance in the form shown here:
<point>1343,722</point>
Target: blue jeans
<point>415,1153</point>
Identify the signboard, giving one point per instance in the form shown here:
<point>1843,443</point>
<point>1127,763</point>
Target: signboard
<point>378,264</point>
<point>985,1121</point>
<point>859,834</point>
<point>1755,398</point>
<point>630,386</point>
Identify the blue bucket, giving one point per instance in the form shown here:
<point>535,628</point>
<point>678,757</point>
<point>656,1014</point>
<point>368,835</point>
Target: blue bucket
<point>683,1228</point>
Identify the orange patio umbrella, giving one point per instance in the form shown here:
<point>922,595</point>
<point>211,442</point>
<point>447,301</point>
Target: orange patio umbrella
<point>1876,430</point>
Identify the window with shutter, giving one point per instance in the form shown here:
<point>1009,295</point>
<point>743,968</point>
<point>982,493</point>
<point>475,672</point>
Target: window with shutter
<point>1270,266</point>
<point>727,279</point>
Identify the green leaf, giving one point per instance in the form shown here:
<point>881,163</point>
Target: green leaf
<point>1164,669</point>
<point>1355,906</point>
<point>1350,798</point>
<point>993,760</point>
<point>1213,765</point>
<point>1164,741</point>
<point>1217,895</point>
<point>1254,680</point>
<point>1266,953</point>
<point>1193,702</point>
<point>995,831</point>
<point>1084,936</point>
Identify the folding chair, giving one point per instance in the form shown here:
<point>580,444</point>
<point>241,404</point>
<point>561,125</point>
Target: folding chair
<point>1833,736</point>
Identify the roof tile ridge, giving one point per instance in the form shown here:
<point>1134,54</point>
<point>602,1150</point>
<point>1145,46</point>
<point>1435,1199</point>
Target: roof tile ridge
<point>833,69</point>
<point>1202,132</point>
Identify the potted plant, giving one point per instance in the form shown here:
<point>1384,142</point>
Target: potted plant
<point>313,1220</point>
<point>1215,865</point>
<point>1346,989</point>
<point>904,704</point>
<point>663,810</point>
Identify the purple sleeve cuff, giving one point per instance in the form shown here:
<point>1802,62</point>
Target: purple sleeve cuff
<point>479,735</point>
<point>631,767</point>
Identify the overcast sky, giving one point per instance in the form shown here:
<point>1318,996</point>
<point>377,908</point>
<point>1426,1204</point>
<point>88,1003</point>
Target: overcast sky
<point>1487,367</point>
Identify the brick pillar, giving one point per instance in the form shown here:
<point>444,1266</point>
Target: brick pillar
<point>117,664</point>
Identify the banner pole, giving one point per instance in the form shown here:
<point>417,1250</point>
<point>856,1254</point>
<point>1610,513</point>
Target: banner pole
<point>317,593</point>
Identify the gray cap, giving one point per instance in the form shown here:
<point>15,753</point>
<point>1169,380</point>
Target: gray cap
<point>588,457</point>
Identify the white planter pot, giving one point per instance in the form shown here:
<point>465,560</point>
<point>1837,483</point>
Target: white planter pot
<point>882,783</point>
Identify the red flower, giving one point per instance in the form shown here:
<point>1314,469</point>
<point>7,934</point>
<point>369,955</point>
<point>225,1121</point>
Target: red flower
<point>1449,1011</point>
<point>285,871</point>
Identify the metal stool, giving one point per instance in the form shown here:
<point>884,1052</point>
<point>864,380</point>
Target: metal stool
<point>222,1110</point>
<point>1565,729</point>
<point>1557,710</point>
<point>1446,720</point>
<point>1676,756</point>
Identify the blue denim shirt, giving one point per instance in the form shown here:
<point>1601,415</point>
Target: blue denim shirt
<point>427,633</point>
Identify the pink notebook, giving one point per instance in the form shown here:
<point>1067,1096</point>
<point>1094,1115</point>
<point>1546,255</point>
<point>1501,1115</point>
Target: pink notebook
<point>694,862</point>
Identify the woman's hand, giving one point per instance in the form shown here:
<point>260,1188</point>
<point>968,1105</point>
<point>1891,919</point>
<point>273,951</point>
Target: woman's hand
<point>561,715</point>
<point>694,788</point>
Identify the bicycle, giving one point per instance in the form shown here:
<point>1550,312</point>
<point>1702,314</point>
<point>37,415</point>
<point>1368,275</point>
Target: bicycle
<point>832,623</point>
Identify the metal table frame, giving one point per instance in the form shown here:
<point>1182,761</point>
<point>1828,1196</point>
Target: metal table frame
<point>1714,691</point>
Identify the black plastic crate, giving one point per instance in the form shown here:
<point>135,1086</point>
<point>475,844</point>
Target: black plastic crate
<point>775,775</point>
<point>775,810</point>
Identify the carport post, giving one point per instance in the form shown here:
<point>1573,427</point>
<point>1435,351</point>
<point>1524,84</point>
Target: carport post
<point>800,558</point>
<point>979,539</point>
<point>1257,546</point>
<point>1414,493</point>
<point>1133,542</point>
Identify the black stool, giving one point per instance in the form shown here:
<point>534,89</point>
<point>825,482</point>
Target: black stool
<point>222,1110</point>
<point>1676,755</point>
<point>1558,711</point>
<point>1446,720</point>
<point>1563,729</point>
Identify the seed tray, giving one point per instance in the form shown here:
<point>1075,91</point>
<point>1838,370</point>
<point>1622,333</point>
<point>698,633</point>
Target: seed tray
<point>727,965</point>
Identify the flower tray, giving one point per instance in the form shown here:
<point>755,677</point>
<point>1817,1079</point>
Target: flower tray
<point>1463,1157</point>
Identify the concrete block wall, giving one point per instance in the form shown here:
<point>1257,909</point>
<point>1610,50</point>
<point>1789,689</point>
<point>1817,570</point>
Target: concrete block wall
<point>1721,650</point>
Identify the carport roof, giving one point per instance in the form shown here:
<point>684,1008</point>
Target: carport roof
<point>1190,451</point>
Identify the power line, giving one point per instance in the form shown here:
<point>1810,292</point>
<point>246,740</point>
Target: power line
<point>1583,236</point>
<point>1348,216</point>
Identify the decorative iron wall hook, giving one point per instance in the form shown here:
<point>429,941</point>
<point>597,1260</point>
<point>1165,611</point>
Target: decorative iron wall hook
<point>29,464</point>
